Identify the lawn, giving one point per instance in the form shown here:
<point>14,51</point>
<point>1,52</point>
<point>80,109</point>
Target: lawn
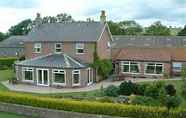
<point>10,115</point>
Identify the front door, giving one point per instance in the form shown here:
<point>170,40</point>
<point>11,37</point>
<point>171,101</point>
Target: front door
<point>42,77</point>
<point>89,75</point>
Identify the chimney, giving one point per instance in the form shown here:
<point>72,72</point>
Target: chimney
<point>103,16</point>
<point>38,20</point>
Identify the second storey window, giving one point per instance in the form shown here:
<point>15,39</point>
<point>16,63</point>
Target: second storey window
<point>37,47</point>
<point>79,48</point>
<point>58,47</point>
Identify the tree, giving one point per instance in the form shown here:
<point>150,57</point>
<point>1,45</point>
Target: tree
<point>114,28</point>
<point>21,28</point>
<point>172,102</point>
<point>3,36</point>
<point>157,29</point>
<point>170,90</point>
<point>182,32</point>
<point>130,28</point>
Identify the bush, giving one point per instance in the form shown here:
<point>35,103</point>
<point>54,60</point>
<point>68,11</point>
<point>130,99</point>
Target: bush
<point>127,88</point>
<point>7,62</point>
<point>172,102</point>
<point>170,89</point>
<point>143,100</point>
<point>112,109</point>
<point>140,89</point>
<point>111,91</point>
<point>183,88</point>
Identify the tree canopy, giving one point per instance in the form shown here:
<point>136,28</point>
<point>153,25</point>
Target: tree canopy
<point>182,32</point>
<point>3,36</point>
<point>157,29</point>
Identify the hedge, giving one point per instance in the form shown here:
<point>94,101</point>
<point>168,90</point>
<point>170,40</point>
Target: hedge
<point>112,109</point>
<point>7,62</point>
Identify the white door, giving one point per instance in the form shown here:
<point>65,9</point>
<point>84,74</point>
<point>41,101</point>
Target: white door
<point>42,77</point>
<point>89,75</point>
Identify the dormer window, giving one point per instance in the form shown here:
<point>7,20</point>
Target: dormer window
<point>79,48</point>
<point>37,47</point>
<point>58,47</point>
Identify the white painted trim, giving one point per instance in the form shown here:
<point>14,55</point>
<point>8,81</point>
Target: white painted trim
<point>102,32</point>
<point>35,46</point>
<point>138,64</point>
<point>42,77</point>
<point>53,79</point>
<point>61,44</point>
<point>145,68</point>
<point>90,77</point>
<point>78,84</point>
<point>23,74</point>
<point>74,60</point>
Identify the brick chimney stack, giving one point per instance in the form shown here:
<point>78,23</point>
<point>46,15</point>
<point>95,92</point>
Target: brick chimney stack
<point>38,20</point>
<point>103,16</point>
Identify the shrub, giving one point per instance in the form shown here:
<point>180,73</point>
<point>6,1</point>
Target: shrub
<point>170,89</point>
<point>166,76</point>
<point>140,89</point>
<point>126,88</point>
<point>143,100</point>
<point>7,62</point>
<point>183,88</point>
<point>172,102</point>
<point>111,91</point>
<point>112,109</point>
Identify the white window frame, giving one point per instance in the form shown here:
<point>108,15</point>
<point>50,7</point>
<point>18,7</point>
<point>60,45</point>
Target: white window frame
<point>177,63</point>
<point>37,74</point>
<point>56,48</point>
<point>80,46</point>
<point>59,71</point>
<point>122,64</point>
<point>156,64</point>
<point>37,46</point>
<point>23,74</point>
<point>73,73</point>
<point>90,79</point>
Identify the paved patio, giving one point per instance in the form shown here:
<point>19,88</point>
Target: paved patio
<point>47,90</point>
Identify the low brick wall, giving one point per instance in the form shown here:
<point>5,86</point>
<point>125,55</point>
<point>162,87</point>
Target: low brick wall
<point>45,113</point>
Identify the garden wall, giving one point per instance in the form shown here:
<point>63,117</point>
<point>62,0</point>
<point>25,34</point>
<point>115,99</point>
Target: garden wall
<point>45,113</point>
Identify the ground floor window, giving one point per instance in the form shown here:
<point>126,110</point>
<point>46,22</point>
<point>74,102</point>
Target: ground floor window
<point>130,67</point>
<point>154,68</point>
<point>177,66</point>
<point>28,74</point>
<point>59,76</point>
<point>76,77</point>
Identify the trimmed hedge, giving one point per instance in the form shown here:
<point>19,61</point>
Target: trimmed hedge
<point>90,107</point>
<point>7,62</point>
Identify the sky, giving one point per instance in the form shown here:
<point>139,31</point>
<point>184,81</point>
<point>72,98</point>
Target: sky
<point>145,12</point>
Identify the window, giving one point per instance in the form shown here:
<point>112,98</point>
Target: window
<point>177,66</point>
<point>108,45</point>
<point>59,76</point>
<point>28,74</point>
<point>79,48</point>
<point>37,47</point>
<point>58,47</point>
<point>154,68</point>
<point>130,67</point>
<point>76,77</point>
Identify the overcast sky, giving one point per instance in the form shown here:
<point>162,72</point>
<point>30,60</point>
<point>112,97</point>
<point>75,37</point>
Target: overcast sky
<point>170,12</point>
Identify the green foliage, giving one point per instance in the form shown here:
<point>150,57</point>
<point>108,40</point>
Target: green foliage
<point>7,62</point>
<point>143,100</point>
<point>182,32</point>
<point>157,29</point>
<point>127,88</point>
<point>21,28</point>
<point>172,102</point>
<point>91,107</point>
<point>170,89</point>
<point>154,89</point>
<point>140,89</point>
<point>3,36</point>
<point>183,88</point>
<point>166,76</point>
<point>111,91</point>
<point>183,73</point>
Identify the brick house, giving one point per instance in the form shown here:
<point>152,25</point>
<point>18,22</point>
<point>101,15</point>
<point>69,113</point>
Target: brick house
<point>59,54</point>
<point>148,56</point>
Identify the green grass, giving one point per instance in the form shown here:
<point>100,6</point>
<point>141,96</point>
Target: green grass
<point>6,74</point>
<point>10,115</point>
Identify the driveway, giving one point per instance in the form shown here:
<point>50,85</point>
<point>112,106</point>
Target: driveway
<point>47,90</point>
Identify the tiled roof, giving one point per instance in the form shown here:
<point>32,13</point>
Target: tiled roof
<point>13,41</point>
<point>142,54</point>
<point>148,41</point>
<point>75,31</point>
<point>10,51</point>
<point>53,61</point>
